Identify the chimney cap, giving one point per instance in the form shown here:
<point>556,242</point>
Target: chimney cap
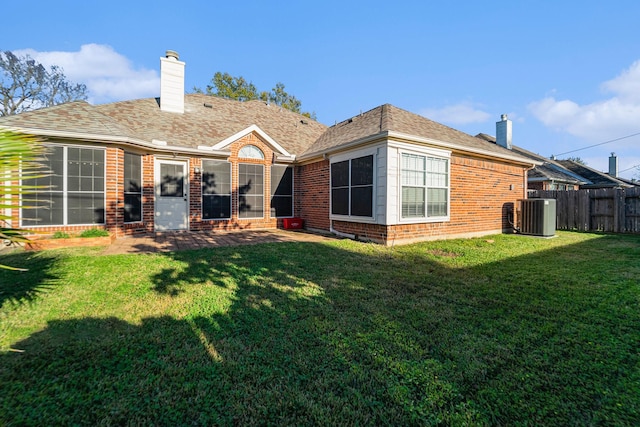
<point>172,54</point>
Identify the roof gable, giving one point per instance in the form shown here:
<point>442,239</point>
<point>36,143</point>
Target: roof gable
<point>251,129</point>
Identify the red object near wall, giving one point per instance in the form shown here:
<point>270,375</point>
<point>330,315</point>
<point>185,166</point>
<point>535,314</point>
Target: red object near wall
<point>292,223</point>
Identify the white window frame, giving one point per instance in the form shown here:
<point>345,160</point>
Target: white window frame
<point>427,153</point>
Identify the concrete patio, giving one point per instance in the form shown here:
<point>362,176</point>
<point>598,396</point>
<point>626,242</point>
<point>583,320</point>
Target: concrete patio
<point>183,240</point>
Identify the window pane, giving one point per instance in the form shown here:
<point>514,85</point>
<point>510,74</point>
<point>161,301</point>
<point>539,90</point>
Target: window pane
<point>281,180</point>
<point>85,208</point>
<point>251,206</point>
<point>216,207</point>
<point>437,202</point>
<point>250,191</point>
<point>362,170</point>
<point>362,201</point>
<point>172,180</point>
<point>340,174</point>
<point>281,191</point>
<point>340,201</point>
<point>45,208</point>
<point>437,172</point>
<point>216,177</point>
<point>250,152</point>
<point>132,207</point>
<point>282,206</point>
<point>413,202</point>
<point>132,173</point>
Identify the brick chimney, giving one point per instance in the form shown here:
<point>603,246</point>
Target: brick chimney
<point>171,83</point>
<point>503,132</point>
<point>613,165</point>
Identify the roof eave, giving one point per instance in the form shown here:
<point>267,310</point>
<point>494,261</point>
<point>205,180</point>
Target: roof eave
<point>121,140</point>
<point>458,147</point>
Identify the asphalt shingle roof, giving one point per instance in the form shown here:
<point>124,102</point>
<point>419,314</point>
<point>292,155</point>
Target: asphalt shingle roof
<point>388,118</point>
<point>597,179</point>
<point>208,120</point>
<point>142,119</point>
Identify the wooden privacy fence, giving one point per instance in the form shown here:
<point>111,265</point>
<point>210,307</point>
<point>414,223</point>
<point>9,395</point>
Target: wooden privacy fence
<point>615,210</point>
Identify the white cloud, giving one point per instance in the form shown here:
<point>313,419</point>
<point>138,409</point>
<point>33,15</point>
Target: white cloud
<point>608,118</point>
<point>109,76</point>
<point>458,114</point>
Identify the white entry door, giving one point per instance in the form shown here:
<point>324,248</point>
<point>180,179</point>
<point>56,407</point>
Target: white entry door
<point>172,197</point>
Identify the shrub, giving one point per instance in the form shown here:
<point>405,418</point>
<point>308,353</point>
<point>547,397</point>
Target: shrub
<point>94,232</point>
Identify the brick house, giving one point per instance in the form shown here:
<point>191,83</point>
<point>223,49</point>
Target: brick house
<point>201,163</point>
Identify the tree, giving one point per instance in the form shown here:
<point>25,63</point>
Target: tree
<point>229,87</point>
<point>27,85</point>
<point>577,160</point>
<point>18,163</point>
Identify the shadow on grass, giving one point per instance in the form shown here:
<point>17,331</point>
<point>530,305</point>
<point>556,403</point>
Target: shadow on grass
<point>320,334</point>
<point>18,287</point>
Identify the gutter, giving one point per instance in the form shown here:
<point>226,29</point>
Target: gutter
<point>413,139</point>
<point>122,140</point>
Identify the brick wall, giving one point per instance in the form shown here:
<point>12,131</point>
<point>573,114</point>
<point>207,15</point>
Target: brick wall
<point>483,193</point>
<point>312,194</point>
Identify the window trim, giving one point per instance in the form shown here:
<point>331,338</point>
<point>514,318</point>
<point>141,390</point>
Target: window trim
<point>230,194</point>
<point>350,157</point>
<point>65,189</point>
<point>436,154</point>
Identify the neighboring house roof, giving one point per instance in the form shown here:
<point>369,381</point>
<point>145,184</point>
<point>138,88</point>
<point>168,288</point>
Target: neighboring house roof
<point>596,179</point>
<point>388,120</point>
<point>206,121</point>
<point>546,170</point>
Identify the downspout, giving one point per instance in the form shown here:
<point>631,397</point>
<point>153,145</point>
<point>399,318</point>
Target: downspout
<point>117,192</point>
<point>339,233</point>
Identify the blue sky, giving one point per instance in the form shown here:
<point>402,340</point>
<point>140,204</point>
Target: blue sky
<point>567,73</point>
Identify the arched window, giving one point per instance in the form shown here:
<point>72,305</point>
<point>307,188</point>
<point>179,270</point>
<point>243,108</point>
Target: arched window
<point>250,152</point>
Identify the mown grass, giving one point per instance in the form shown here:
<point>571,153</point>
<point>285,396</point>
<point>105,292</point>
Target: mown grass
<point>506,330</point>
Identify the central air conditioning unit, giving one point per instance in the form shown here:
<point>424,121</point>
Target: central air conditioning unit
<point>537,217</point>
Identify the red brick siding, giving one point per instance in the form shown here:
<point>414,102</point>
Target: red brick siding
<point>312,194</point>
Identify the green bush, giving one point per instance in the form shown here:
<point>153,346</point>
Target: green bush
<point>94,232</point>
<point>60,235</point>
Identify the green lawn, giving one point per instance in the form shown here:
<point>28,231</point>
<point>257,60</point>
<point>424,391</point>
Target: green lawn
<point>506,330</point>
